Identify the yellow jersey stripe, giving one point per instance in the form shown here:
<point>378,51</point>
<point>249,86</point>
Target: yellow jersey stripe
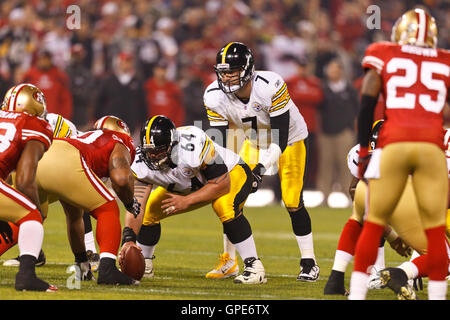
<point>281,99</point>
<point>224,53</point>
<point>280,92</point>
<point>280,106</point>
<point>57,127</point>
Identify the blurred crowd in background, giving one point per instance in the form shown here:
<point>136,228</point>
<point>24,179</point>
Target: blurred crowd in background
<point>134,58</point>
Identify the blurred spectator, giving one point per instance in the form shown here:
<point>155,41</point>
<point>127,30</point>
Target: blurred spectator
<point>16,42</point>
<point>164,96</point>
<point>165,28</point>
<point>57,42</point>
<point>53,82</point>
<point>121,94</point>
<point>81,84</point>
<point>5,85</point>
<point>193,87</point>
<point>148,51</point>
<point>338,113</point>
<point>306,92</point>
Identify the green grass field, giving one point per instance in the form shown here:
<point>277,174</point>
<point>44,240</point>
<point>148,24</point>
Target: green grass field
<point>189,247</point>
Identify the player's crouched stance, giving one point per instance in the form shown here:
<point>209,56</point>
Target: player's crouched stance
<point>26,136</point>
<point>190,171</point>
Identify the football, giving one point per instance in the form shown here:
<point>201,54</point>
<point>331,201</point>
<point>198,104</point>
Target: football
<point>133,263</point>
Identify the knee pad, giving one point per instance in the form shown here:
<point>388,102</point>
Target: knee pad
<point>301,222</point>
<point>149,235</point>
<point>238,229</point>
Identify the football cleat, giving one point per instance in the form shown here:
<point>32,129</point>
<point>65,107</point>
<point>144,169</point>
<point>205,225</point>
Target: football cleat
<point>94,260</point>
<point>149,272</point>
<point>109,274</point>
<point>309,270</point>
<point>335,284</point>
<point>253,272</point>
<point>374,282</point>
<point>397,280</point>
<point>15,262</point>
<point>30,282</point>
<point>226,268</point>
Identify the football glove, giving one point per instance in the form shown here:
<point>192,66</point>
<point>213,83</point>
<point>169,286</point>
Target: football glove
<point>363,161</point>
<point>133,207</point>
<point>83,271</point>
<point>401,247</point>
<point>257,173</point>
<point>5,232</point>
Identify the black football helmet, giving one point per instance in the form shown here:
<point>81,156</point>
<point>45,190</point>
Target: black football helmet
<point>375,133</point>
<point>158,138</point>
<point>235,56</point>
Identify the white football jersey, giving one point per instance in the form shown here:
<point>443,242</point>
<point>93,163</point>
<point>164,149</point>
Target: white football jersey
<point>62,128</point>
<point>194,149</point>
<point>269,97</point>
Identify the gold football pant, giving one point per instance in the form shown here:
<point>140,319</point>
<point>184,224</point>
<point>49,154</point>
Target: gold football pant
<point>226,207</point>
<point>291,169</point>
<point>405,219</point>
<point>63,174</point>
<point>427,166</point>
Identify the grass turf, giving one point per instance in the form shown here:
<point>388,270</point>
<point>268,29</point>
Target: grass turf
<point>189,247</point>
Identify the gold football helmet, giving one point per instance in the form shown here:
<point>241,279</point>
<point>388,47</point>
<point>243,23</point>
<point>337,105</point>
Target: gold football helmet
<point>112,123</point>
<point>27,98</point>
<point>415,27</point>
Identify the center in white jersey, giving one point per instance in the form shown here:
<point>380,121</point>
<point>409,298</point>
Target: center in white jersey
<point>269,98</point>
<point>190,155</point>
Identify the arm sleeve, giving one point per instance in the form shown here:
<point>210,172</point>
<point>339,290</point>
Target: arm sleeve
<point>280,129</point>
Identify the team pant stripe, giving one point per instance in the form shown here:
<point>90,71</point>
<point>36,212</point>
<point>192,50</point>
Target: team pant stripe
<point>96,183</point>
<point>16,196</point>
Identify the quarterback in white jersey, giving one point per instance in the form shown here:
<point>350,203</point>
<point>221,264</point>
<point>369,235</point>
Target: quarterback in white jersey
<point>258,103</point>
<point>189,171</point>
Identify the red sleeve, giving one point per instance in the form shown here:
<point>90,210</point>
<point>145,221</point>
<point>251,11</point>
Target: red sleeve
<point>375,56</point>
<point>37,129</point>
<point>127,141</point>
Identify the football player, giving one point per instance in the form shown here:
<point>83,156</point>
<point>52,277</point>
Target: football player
<point>62,128</point>
<point>414,77</point>
<point>190,171</point>
<point>352,229</point>
<point>258,103</point>
<point>86,159</point>
<point>399,279</point>
<point>26,136</point>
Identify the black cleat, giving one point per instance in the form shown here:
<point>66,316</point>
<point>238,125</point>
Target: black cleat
<point>109,274</point>
<point>397,280</point>
<point>335,284</point>
<point>26,279</point>
<point>309,270</point>
<point>30,282</point>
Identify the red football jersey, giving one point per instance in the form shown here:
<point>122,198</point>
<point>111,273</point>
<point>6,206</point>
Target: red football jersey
<point>96,147</point>
<point>16,128</point>
<point>415,84</point>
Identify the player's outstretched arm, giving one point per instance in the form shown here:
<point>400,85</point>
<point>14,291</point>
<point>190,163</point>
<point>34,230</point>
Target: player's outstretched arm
<point>215,188</point>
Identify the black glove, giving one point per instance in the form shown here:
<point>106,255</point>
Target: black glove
<point>5,232</point>
<point>418,284</point>
<point>257,173</point>
<point>133,207</point>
